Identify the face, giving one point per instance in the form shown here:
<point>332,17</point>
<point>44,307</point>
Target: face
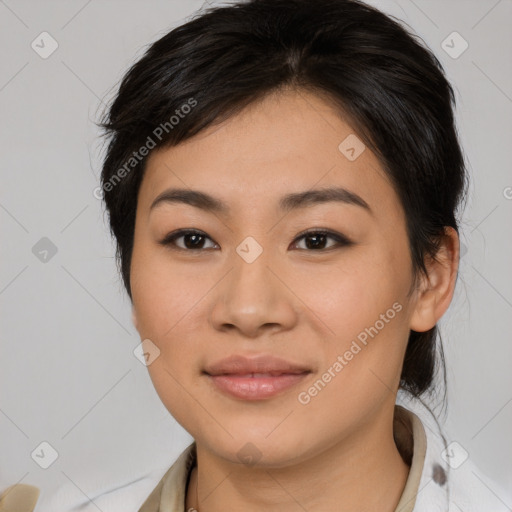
<point>245,280</point>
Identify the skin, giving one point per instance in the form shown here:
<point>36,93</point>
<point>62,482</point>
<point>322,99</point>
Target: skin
<point>303,304</point>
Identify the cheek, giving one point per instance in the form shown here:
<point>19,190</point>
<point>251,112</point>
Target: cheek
<point>162,294</point>
<point>350,295</point>
<point>166,304</point>
<point>169,301</point>
<point>363,309</point>
<point>364,349</point>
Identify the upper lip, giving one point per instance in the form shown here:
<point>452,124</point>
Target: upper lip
<point>242,365</point>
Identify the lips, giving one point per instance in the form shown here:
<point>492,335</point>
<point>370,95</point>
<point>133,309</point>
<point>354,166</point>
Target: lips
<point>262,365</point>
<point>255,378</point>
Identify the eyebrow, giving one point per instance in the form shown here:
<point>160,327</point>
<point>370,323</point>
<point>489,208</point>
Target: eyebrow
<point>287,203</point>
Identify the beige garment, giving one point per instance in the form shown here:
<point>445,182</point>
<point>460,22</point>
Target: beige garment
<point>169,495</point>
<point>411,441</point>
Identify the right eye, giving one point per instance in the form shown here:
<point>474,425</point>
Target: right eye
<point>192,240</point>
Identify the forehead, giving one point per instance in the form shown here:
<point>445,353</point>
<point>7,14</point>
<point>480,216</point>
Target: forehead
<point>289,141</point>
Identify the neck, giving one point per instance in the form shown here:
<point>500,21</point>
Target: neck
<point>338,477</point>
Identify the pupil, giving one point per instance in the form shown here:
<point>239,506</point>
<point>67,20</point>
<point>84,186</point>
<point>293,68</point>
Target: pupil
<point>193,245</point>
<point>316,243</point>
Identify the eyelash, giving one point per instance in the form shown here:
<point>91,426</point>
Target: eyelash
<point>342,241</point>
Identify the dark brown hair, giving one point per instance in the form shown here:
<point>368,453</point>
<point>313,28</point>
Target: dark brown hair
<point>383,79</point>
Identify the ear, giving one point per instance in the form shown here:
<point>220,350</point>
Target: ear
<point>436,291</point>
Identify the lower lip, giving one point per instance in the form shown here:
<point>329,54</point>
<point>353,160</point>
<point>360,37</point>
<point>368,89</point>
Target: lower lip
<point>256,388</point>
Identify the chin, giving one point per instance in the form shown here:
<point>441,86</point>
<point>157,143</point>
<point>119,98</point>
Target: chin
<point>255,449</point>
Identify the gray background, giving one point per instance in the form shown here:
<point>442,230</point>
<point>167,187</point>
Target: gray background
<point>68,375</point>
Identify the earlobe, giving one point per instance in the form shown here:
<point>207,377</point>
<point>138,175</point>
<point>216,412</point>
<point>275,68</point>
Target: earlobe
<point>436,291</point>
<point>423,317</point>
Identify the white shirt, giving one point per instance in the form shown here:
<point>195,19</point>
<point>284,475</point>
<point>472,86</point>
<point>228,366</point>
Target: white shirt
<point>442,478</point>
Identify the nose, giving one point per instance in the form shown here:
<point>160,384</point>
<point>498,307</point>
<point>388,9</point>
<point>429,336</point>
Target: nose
<point>254,298</point>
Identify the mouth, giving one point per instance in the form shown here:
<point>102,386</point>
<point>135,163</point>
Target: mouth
<point>256,386</point>
<point>256,378</point>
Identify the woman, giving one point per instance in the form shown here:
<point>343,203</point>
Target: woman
<point>289,244</point>
<point>282,180</point>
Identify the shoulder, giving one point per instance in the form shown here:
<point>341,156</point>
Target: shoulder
<point>162,488</point>
<point>116,497</point>
<point>450,480</point>
<point>473,491</point>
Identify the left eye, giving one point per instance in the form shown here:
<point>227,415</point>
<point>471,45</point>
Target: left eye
<point>316,240</point>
